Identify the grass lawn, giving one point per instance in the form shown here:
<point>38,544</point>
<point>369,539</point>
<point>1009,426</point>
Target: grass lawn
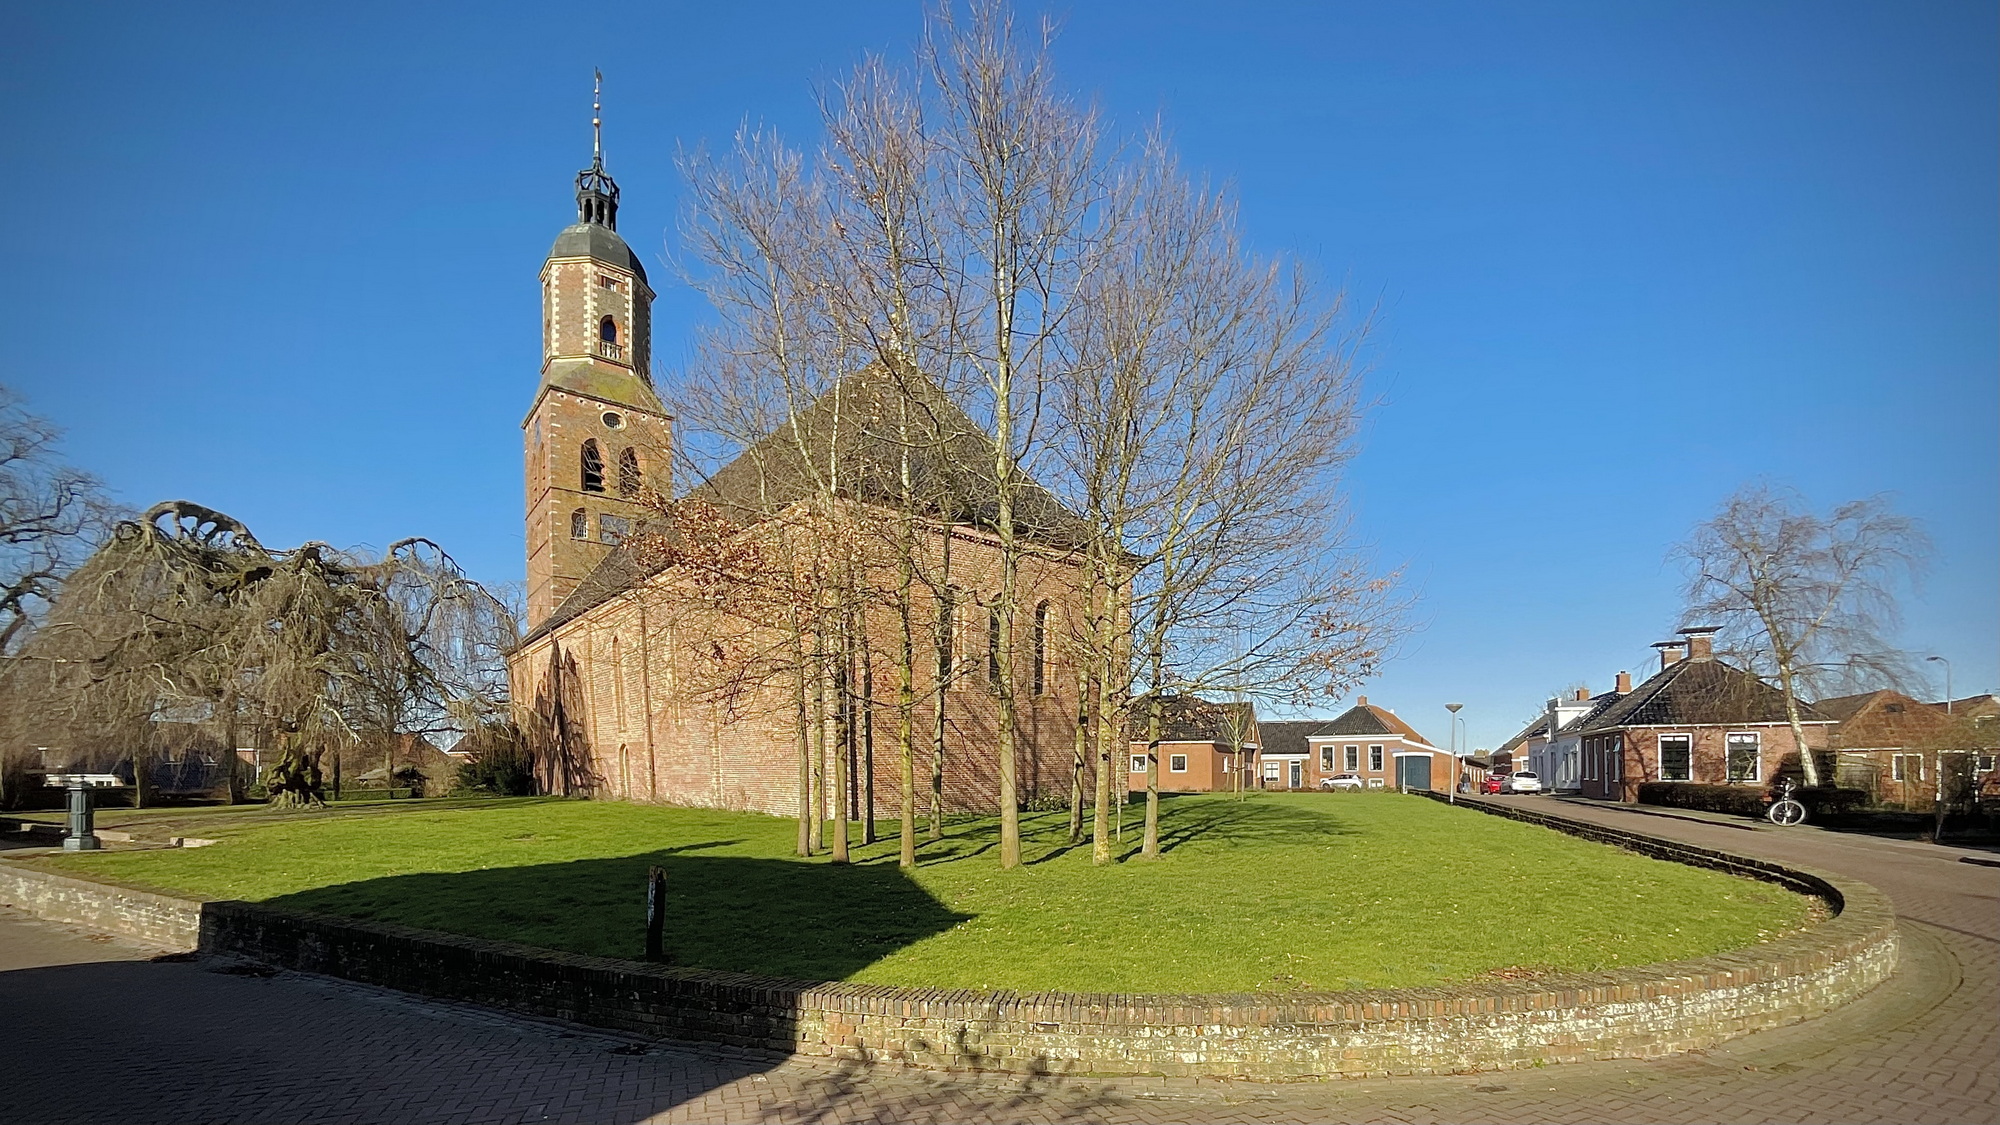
<point>1274,892</point>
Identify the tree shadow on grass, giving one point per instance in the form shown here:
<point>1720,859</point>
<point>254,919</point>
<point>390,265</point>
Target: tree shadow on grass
<point>803,921</point>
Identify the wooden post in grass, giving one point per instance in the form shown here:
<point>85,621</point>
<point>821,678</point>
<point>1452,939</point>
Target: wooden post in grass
<point>656,912</point>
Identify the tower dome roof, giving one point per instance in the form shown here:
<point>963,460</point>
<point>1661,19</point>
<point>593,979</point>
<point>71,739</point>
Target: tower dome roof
<point>592,240</point>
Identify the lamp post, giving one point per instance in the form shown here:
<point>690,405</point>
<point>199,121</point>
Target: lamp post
<point>1947,681</point>
<point>1457,762</point>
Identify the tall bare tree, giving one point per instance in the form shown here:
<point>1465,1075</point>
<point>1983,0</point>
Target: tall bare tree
<point>1796,593</point>
<point>52,516</point>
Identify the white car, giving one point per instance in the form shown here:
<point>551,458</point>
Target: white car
<point>1342,781</point>
<point>1522,782</point>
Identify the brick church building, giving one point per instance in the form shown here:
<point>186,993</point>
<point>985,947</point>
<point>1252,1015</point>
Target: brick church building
<point>614,649</point>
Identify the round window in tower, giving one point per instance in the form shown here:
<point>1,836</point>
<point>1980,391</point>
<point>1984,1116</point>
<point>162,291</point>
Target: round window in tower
<point>614,420</point>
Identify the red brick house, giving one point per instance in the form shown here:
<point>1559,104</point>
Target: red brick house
<point>1699,719</point>
<point>1368,741</point>
<point>1892,745</point>
<point>1205,747</point>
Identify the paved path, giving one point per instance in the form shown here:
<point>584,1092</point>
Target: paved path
<point>91,1030</point>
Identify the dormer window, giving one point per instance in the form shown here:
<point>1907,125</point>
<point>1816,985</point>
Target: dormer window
<point>593,467</point>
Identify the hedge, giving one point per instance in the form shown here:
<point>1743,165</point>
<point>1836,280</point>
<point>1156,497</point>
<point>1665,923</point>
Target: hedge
<point>1748,800</point>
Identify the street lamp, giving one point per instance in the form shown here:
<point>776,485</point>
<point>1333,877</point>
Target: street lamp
<point>1947,681</point>
<point>1457,763</point>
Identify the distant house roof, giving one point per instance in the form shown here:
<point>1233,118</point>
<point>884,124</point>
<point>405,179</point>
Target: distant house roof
<point>1540,726</point>
<point>1190,718</point>
<point>1364,720</point>
<point>1885,720</point>
<point>1276,738</point>
<point>1697,692</point>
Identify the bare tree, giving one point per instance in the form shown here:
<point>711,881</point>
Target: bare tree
<point>184,617</point>
<point>1796,593</point>
<point>51,517</point>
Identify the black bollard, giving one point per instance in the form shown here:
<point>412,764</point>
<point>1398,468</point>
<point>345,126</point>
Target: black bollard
<point>656,912</point>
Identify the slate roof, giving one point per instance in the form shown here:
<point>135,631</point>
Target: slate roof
<point>1365,720</point>
<point>1190,718</point>
<point>1286,737</point>
<point>594,240</point>
<point>1696,692</point>
<point>1539,726</point>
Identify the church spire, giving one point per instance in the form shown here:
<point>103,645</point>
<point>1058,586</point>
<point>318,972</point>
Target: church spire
<point>596,191</point>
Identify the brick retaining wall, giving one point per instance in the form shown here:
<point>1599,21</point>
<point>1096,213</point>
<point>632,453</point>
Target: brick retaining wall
<point>1640,1012</point>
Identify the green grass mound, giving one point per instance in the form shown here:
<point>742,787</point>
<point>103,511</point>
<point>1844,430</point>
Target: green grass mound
<point>1274,892</point>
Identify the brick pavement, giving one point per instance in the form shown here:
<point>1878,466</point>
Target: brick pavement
<point>94,1032</point>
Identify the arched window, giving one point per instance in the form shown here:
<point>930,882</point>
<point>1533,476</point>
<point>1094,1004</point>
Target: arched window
<point>1041,648</point>
<point>607,330</point>
<point>946,609</point>
<point>629,478</point>
<point>593,467</point>
<point>579,524</point>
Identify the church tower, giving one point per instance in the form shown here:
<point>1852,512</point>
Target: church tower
<point>596,439</point>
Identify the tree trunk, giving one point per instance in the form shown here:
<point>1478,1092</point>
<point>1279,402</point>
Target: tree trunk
<point>1102,655</point>
<point>1150,845</point>
<point>1806,764</point>
<point>843,749</point>
<point>867,706</point>
<point>1077,771</point>
<point>906,704</point>
<point>805,841</point>
<point>819,809</point>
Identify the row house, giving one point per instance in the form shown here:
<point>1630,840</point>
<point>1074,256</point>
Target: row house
<point>1550,744</point>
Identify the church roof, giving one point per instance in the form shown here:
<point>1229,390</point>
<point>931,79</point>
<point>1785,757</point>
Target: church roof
<point>857,428</point>
<point>857,425</point>
<point>594,240</point>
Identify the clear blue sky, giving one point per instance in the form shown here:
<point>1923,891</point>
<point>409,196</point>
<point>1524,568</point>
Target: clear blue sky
<point>281,259</point>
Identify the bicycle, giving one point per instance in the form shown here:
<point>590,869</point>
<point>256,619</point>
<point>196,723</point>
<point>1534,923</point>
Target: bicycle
<point>1785,811</point>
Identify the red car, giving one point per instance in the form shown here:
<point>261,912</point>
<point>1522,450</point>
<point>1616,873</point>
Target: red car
<point>1493,783</point>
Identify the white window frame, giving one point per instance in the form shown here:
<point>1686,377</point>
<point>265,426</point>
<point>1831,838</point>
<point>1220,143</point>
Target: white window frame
<point>1138,763</point>
<point>1374,759</point>
<point>1177,763</point>
<point>1326,758</point>
<point>1661,745</point>
<point>1898,771</point>
<point>1353,754</point>
<point>1729,744</point>
<point>1274,771</point>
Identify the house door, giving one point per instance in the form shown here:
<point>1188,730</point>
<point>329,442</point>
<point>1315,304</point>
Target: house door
<point>1413,771</point>
<point>1297,774</point>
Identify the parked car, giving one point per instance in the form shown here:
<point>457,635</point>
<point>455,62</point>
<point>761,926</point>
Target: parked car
<point>1523,782</point>
<point>1342,781</point>
<point>1495,783</point>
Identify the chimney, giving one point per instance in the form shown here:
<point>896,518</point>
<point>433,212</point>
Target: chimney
<point>1624,683</point>
<point>1582,694</point>
<point>1361,701</point>
<point>1701,641</point>
<point>1670,653</point>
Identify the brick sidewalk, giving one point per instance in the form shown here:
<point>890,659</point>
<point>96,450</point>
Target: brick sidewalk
<point>96,1033</point>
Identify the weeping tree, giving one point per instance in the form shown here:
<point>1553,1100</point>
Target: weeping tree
<point>183,616</point>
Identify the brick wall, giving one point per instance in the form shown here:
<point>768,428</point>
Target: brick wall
<point>1641,1012</point>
